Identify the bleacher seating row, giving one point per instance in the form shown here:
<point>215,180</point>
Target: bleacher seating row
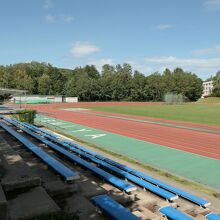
<point>144,184</point>
<point>174,214</point>
<point>174,190</point>
<point>116,211</point>
<point>212,216</point>
<point>120,184</point>
<point>179,192</point>
<point>113,209</point>
<point>61,169</point>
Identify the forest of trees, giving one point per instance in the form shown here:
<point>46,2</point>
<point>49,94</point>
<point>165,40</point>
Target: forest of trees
<point>216,85</point>
<point>116,83</point>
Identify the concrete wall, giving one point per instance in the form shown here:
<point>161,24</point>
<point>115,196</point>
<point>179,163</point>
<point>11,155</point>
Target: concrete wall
<point>53,99</point>
<point>71,99</point>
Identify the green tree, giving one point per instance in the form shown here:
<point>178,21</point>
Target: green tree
<point>23,81</point>
<point>122,82</point>
<point>181,82</point>
<point>57,80</point>
<point>114,83</point>
<point>91,71</point>
<point>7,79</point>
<point>106,82</point>
<point>216,85</point>
<point>155,87</point>
<point>44,84</point>
<point>138,87</point>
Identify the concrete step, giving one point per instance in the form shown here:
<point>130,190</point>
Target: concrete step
<point>83,208</point>
<point>90,188</point>
<point>33,203</point>
<point>60,189</point>
<point>3,205</point>
<point>17,174</point>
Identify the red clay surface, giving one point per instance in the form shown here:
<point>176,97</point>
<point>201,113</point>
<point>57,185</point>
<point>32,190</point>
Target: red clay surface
<point>197,142</point>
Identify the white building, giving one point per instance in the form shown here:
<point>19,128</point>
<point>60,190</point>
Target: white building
<point>207,88</point>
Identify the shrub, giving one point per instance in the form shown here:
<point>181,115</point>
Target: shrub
<point>26,115</point>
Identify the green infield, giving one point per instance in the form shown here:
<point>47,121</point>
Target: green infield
<point>191,112</point>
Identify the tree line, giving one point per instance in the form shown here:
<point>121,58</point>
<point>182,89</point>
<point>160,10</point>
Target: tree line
<point>216,85</point>
<point>112,83</point>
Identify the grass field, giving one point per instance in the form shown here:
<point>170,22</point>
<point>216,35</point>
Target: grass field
<point>203,113</point>
<point>211,100</point>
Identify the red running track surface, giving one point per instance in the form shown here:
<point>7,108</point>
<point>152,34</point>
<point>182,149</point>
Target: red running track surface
<point>197,142</point>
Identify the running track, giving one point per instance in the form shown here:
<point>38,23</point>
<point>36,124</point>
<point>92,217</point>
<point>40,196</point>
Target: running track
<point>197,142</point>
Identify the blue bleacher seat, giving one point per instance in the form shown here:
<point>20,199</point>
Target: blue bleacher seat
<point>174,214</point>
<point>106,176</point>
<point>156,190</point>
<point>113,209</point>
<point>184,194</point>
<point>141,175</point>
<point>212,216</point>
<point>64,171</point>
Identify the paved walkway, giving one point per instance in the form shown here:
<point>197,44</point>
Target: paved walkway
<point>197,168</point>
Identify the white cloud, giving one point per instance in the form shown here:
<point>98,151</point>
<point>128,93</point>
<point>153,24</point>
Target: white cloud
<point>48,4</point>
<point>163,27</point>
<point>211,50</point>
<point>212,4</point>
<point>136,65</point>
<point>203,67</point>
<point>50,18</point>
<point>173,61</point>
<point>81,49</point>
<point>100,62</point>
<point>133,63</point>
<point>59,18</point>
<point>68,18</point>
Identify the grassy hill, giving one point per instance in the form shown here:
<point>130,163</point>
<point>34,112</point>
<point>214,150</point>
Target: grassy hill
<point>210,100</point>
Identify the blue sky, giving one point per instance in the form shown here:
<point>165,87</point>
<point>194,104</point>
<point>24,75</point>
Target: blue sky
<point>149,34</point>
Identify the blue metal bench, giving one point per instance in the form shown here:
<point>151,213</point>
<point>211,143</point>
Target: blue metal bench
<point>113,209</point>
<point>122,185</point>
<point>212,216</point>
<point>62,170</point>
<point>146,185</point>
<point>141,175</point>
<point>154,189</point>
<point>40,130</point>
<point>181,193</point>
<point>174,214</point>
<point>149,179</point>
